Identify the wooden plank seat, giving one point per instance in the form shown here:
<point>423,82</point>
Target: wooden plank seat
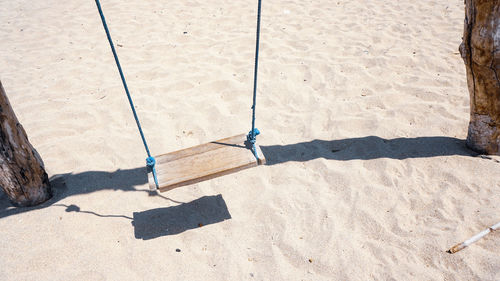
<point>203,162</point>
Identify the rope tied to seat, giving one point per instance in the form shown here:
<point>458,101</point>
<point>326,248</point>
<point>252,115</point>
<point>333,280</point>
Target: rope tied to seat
<point>150,163</point>
<point>251,138</point>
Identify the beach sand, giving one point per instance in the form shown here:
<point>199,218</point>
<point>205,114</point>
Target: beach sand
<point>363,108</point>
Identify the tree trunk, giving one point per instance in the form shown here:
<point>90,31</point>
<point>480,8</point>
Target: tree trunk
<point>480,50</point>
<point>22,175</point>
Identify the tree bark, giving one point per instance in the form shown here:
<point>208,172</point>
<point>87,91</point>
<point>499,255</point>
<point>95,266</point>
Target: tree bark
<point>480,50</point>
<point>22,175</point>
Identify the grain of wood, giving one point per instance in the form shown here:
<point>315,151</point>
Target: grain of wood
<point>203,162</point>
<point>479,50</point>
<point>22,175</point>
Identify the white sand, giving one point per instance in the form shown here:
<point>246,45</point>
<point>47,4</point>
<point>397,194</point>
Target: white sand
<point>380,81</point>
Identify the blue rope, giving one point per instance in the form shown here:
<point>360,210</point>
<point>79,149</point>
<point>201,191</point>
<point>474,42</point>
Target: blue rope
<point>251,137</point>
<point>150,161</point>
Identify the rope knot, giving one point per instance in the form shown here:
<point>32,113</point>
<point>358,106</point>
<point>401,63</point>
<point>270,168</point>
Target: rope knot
<point>252,134</point>
<point>150,161</point>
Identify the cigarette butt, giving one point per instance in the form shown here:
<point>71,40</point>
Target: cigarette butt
<point>457,248</point>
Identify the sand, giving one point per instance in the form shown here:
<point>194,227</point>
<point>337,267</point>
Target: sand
<point>363,108</point>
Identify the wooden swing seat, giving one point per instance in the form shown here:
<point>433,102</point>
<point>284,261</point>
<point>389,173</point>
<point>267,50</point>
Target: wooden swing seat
<point>203,162</point>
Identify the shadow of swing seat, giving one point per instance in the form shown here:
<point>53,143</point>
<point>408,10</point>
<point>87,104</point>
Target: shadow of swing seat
<point>173,220</point>
<point>203,162</point>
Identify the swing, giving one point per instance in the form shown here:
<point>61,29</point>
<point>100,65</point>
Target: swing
<point>202,162</point>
